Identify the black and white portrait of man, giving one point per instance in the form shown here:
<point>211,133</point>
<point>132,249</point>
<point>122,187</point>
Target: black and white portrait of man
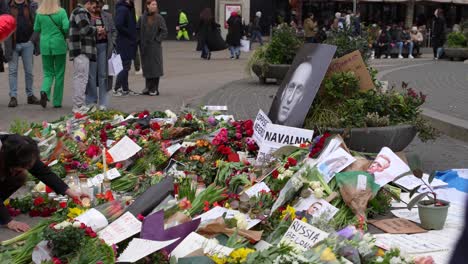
<point>298,89</point>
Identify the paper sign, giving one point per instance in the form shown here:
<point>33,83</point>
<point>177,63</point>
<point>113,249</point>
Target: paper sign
<point>139,248</point>
<point>410,182</point>
<point>353,62</point>
<point>398,226</point>
<point>96,180</point>
<point>109,142</point>
<point>387,166</point>
<point>312,207</point>
<point>124,149</point>
<point>361,183</point>
<point>194,242</point>
<point>224,117</point>
<point>411,244</point>
<point>262,245</point>
<point>113,174</point>
<point>218,211</point>
<point>119,230</point>
<point>173,149</point>
<point>94,219</point>
<point>303,235</point>
<point>256,189</point>
<point>260,124</point>
<point>215,108</point>
<point>334,163</point>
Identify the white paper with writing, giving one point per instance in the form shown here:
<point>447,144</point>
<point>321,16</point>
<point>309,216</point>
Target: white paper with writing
<point>218,211</point>
<point>122,228</point>
<point>113,174</point>
<point>139,248</point>
<point>215,107</point>
<point>195,242</point>
<point>256,189</point>
<point>224,117</point>
<point>262,245</point>
<point>410,182</point>
<point>260,124</point>
<point>334,163</point>
<point>411,244</point>
<point>94,219</point>
<point>173,149</point>
<point>303,235</point>
<point>124,149</point>
<point>361,182</point>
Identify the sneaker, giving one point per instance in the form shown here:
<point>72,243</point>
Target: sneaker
<point>232,57</point>
<point>400,57</point>
<point>33,100</point>
<point>82,110</point>
<point>389,57</point>
<point>43,100</point>
<point>410,57</point>
<point>120,93</point>
<point>102,108</point>
<point>130,92</point>
<point>13,102</point>
<point>237,56</point>
<point>140,72</point>
<point>154,93</point>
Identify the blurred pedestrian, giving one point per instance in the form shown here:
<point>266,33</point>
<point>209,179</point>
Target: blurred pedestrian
<point>52,24</point>
<point>257,28</point>
<point>417,38</point>
<point>234,35</point>
<point>125,22</point>
<point>152,30</point>
<point>310,29</point>
<point>438,33</point>
<point>204,32</point>
<point>82,46</point>
<point>23,43</point>
<point>182,27</point>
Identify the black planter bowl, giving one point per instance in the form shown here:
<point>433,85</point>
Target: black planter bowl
<point>456,53</point>
<point>373,139</point>
<point>271,71</point>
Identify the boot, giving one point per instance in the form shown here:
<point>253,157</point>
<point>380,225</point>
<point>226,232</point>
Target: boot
<point>33,100</point>
<point>44,99</point>
<point>13,102</point>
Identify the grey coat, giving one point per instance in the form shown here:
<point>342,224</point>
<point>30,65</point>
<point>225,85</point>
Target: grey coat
<point>150,45</point>
<point>111,37</point>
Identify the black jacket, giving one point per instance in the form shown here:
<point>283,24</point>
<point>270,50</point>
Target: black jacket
<point>438,28</point>
<point>235,31</point>
<point>8,187</point>
<point>126,25</point>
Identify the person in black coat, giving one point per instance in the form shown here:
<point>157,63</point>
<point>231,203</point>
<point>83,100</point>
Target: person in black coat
<point>438,33</point>
<point>460,255</point>
<point>19,155</point>
<point>234,35</point>
<point>126,43</point>
<point>209,35</point>
<point>383,45</point>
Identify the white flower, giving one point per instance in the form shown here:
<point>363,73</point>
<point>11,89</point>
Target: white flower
<point>396,260</point>
<point>241,220</point>
<point>62,225</point>
<point>318,193</point>
<point>296,183</point>
<point>281,169</point>
<point>76,224</point>
<point>40,187</point>
<point>379,260</point>
<point>315,185</point>
<point>288,173</point>
<point>170,114</point>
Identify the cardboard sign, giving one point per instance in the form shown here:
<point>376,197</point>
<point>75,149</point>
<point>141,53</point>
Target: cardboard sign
<point>301,84</point>
<point>260,124</point>
<point>397,226</point>
<point>303,235</point>
<point>353,62</point>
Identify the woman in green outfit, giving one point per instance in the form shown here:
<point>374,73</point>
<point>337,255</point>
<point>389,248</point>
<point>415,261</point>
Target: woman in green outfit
<point>52,23</point>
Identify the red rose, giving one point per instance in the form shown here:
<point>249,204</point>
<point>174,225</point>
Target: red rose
<point>137,126</point>
<point>189,117</point>
<point>92,235</point>
<point>292,162</point>
<point>48,189</point>
<point>155,126</point>
<point>56,260</point>
<point>275,174</point>
<point>34,213</point>
<point>118,165</point>
<point>140,217</point>
<point>233,157</point>
<point>38,201</point>
<point>249,132</point>
<point>286,166</point>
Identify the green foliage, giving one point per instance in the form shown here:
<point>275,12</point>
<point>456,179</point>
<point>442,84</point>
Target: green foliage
<point>456,40</point>
<point>65,241</point>
<point>19,126</point>
<point>341,85</point>
<point>94,251</point>
<point>347,42</point>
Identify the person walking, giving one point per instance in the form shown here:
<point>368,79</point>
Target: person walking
<point>438,33</point>
<point>310,29</point>
<point>152,30</point>
<point>257,28</point>
<point>82,45</point>
<point>98,87</point>
<point>182,27</point>
<point>22,44</point>
<point>234,35</point>
<point>52,24</point>
<point>126,44</point>
<point>204,28</point>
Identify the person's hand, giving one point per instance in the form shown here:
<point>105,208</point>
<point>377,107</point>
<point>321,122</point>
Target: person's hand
<point>76,196</point>
<point>18,226</point>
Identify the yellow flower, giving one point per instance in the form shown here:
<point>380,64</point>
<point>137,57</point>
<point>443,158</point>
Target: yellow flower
<point>289,212</point>
<point>380,252</point>
<point>218,260</point>
<point>327,255</point>
<point>304,219</point>
<point>74,212</point>
<point>6,202</point>
<point>240,255</point>
<point>99,165</point>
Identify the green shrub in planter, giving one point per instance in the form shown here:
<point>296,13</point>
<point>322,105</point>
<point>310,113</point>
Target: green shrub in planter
<point>347,42</point>
<point>456,40</point>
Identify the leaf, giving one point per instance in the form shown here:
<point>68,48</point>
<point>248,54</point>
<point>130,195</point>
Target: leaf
<point>412,192</point>
<point>414,162</point>
<point>418,173</point>
<point>431,177</point>
<point>416,199</point>
<point>408,173</point>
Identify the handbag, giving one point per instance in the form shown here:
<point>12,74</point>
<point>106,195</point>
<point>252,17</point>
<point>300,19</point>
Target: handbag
<point>115,64</point>
<point>245,45</point>
<point>59,28</point>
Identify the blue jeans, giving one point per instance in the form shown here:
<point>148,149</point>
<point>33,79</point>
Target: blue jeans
<point>257,35</point>
<point>400,47</point>
<point>122,77</point>
<point>98,77</point>
<point>205,51</point>
<point>26,51</point>
<point>235,50</point>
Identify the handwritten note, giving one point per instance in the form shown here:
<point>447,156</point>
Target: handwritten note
<point>194,242</point>
<point>122,228</point>
<point>139,248</point>
<point>124,149</point>
<point>303,235</point>
<point>410,182</point>
<point>256,189</point>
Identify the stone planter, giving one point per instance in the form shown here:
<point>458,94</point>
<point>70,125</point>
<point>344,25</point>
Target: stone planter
<point>456,53</point>
<point>271,71</point>
<point>373,139</point>
<point>433,217</point>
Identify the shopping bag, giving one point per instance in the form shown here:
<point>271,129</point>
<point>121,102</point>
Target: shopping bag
<point>245,45</point>
<point>115,65</point>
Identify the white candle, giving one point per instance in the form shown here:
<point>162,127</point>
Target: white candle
<point>104,162</point>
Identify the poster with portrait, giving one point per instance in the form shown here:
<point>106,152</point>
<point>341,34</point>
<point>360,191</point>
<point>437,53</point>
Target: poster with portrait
<point>334,163</point>
<point>311,208</point>
<point>301,84</point>
<point>387,166</point>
